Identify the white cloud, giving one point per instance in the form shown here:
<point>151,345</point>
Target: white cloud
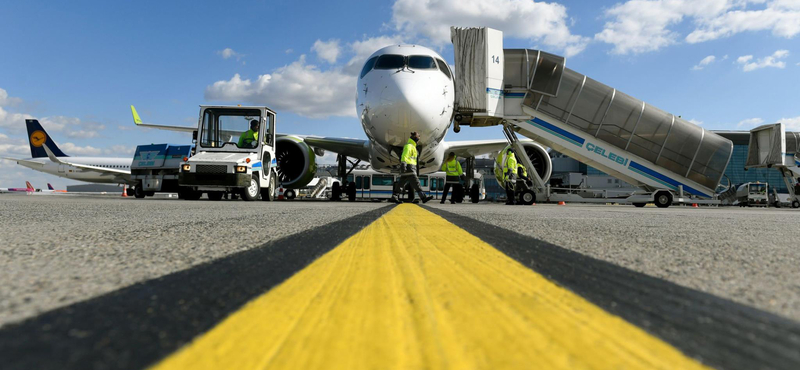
<point>13,122</point>
<point>68,126</point>
<point>327,50</point>
<point>299,87</point>
<point>119,151</point>
<point>535,21</point>
<point>13,147</point>
<point>228,53</point>
<point>703,63</point>
<point>639,26</point>
<point>782,17</point>
<point>364,48</point>
<point>6,100</point>
<point>792,124</point>
<point>768,61</point>
<point>289,51</point>
<point>750,122</point>
<point>696,122</point>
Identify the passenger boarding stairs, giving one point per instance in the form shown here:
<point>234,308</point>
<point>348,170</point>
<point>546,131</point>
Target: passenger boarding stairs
<point>532,93</point>
<point>319,190</point>
<point>772,146</point>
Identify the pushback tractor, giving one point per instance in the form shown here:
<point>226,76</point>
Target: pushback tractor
<point>234,154</point>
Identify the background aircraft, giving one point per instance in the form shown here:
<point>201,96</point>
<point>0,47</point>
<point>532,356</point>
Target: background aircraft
<point>90,169</point>
<point>29,189</point>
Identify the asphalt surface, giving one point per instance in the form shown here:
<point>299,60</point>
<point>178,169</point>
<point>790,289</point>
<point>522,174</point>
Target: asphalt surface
<point>747,255</point>
<point>58,250</point>
<point>119,283</point>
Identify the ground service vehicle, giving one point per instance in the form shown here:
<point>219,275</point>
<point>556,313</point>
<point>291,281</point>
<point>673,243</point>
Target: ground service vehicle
<point>752,194</point>
<point>155,168</point>
<point>225,161</point>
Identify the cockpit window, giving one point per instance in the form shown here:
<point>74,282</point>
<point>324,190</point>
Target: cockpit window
<point>421,62</point>
<point>368,66</point>
<point>444,68</point>
<point>390,61</point>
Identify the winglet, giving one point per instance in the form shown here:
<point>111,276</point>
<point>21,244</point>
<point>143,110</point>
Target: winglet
<point>51,155</point>
<point>136,118</point>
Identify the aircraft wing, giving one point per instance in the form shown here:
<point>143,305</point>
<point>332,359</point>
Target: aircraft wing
<point>138,122</point>
<point>25,161</point>
<point>354,148</point>
<point>110,171</point>
<point>474,148</point>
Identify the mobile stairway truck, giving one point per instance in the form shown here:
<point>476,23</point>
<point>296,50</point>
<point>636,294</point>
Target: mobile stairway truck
<point>531,92</point>
<point>222,163</point>
<point>771,146</point>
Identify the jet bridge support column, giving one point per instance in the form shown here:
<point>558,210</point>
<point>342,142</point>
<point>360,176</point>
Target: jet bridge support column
<point>511,136</point>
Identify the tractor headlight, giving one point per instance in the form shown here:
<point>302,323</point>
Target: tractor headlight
<point>241,169</point>
<point>187,167</point>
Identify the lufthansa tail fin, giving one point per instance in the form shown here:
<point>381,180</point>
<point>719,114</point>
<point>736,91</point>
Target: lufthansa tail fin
<point>37,137</point>
<point>50,187</point>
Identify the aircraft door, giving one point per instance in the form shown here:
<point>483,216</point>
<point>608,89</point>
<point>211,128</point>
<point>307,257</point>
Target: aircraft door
<point>360,186</point>
<point>62,168</point>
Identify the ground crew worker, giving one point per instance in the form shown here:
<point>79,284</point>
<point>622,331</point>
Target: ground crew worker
<point>249,138</point>
<point>408,163</point>
<point>453,174</point>
<point>510,171</point>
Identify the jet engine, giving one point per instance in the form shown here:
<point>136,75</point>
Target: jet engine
<point>297,163</point>
<point>536,153</point>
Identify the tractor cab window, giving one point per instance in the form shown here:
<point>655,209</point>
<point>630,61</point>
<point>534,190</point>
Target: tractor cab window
<point>237,128</point>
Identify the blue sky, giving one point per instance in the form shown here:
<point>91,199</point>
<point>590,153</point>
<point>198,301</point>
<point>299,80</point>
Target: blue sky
<point>77,66</point>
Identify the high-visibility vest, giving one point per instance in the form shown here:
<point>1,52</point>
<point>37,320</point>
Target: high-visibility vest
<point>248,137</point>
<point>524,170</point>
<point>409,153</point>
<point>452,168</point>
<point>510,165</point>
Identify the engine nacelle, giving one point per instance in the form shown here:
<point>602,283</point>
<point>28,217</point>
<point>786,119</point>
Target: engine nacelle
<point>536,153</point>
<point>297,163</point>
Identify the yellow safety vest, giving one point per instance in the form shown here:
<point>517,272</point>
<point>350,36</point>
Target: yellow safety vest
<point>410,153</point>
<point>511,164</point>
<point>452,168</point>
<point>248,137</point>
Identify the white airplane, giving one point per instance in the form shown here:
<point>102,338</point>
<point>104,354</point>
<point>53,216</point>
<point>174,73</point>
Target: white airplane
<point>48,158</point>
<point>401,89</point>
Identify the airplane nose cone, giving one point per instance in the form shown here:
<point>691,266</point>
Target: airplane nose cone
<point>410,103</point>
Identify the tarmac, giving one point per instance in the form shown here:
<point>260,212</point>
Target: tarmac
<point>67,259</point>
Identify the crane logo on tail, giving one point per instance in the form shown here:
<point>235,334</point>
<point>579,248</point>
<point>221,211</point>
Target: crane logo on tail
<point>38,138</point>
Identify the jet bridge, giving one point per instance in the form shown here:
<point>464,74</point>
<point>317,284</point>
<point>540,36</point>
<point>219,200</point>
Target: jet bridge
<point>532,92</point>
<point>772,146</point>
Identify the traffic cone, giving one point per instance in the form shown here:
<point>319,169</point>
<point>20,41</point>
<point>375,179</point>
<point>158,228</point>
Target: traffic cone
<point>694,205</point>
<point>125,191</point>
<point>280,193</point>
<point>562,203</point>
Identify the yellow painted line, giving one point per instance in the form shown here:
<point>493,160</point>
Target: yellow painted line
<point>413,291</point>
